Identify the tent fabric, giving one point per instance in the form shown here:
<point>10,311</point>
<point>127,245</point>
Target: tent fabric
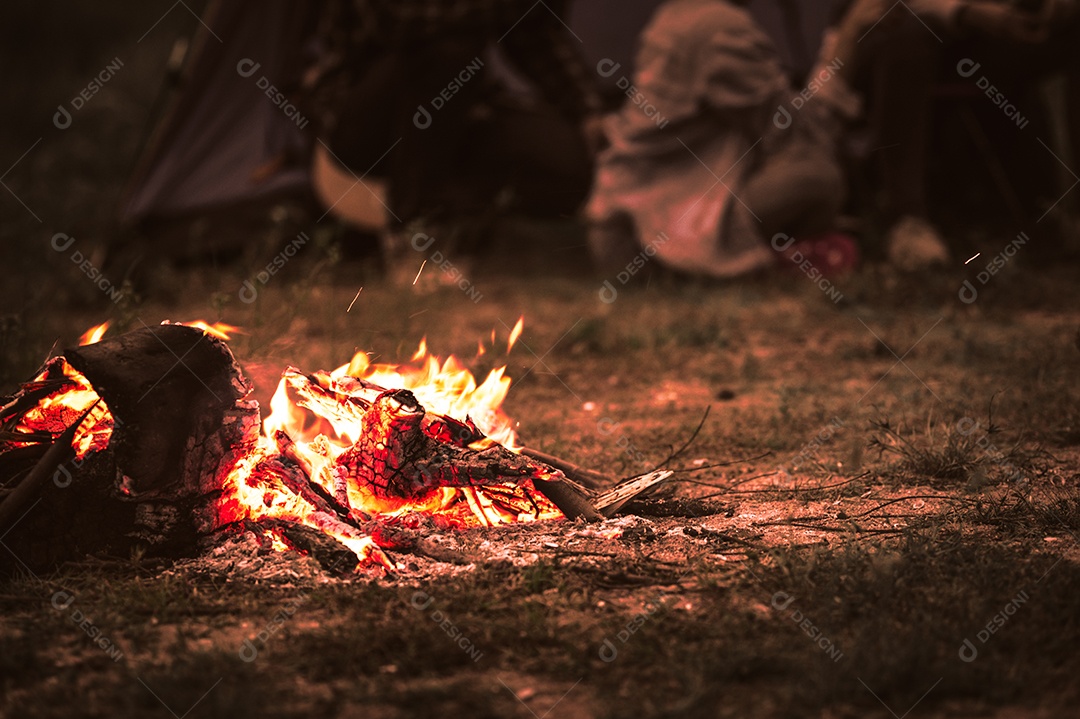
<point>223,138</point>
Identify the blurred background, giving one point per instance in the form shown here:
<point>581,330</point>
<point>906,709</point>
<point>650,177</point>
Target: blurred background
<point>133,141</point>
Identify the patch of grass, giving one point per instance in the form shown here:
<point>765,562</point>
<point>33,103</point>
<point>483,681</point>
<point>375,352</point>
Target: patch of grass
<point>1032,512</point>
<point>957,453</point>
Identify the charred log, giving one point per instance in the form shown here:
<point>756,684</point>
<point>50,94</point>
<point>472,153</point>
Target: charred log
<point>168,388</point>
<point>332,555</point>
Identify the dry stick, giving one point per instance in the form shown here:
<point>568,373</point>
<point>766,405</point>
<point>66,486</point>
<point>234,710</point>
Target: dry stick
<point>763,490</point>
<point>824,528</point>
<point>28,399</point>
<point>688,442</point>
<point>581,475</point>
<point>15,504</point>
<point>905,499</point>
<point>586,477</point>
<point>31,437</point>
<point>731,489</point>
<point>703,467</point>
<point>805,521</point>
<point>570,502</point>
<point>310,490</point>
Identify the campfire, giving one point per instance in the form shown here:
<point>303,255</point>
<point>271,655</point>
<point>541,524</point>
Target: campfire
<point>150,440</point>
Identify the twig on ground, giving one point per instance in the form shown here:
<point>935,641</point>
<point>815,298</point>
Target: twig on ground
<point>686,445</point>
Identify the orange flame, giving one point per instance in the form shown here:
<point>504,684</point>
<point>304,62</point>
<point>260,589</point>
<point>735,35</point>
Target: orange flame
<point>319,417</point>
<point>72,396</point>
<point>514,334</point>
<point>219,329</point>
<point>314,420</point>
<point>94,334</point>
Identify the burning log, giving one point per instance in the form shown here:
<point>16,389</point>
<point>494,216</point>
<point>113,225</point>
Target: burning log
<point>166,421</point>
<point>17,501</point>
<point>328,552</point>
<point>169,457</point>
<point>163,385</point>
<point>585,477</point>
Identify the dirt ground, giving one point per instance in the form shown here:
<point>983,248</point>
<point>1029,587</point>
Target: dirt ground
<point>878,518</point>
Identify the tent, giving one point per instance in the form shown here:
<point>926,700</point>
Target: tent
<point>229,135</point>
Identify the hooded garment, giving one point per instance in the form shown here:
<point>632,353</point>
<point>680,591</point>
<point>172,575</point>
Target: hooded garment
<point>709,104</point>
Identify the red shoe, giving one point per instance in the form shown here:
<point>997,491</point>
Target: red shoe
<point>832,253</point>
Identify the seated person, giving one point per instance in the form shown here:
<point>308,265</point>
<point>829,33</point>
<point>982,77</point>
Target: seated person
<point>715,159</point>
<point>1012,42</point>
<point>459,107</point>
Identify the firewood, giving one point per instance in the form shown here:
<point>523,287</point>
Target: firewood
<point>331,554</point>
<point>581,475</point>
<point>571,501</point>
<point>394,459</point>
<point>610,502</point>
<point>47,378</point>
<point>168,383</point>
<point>18,502</point>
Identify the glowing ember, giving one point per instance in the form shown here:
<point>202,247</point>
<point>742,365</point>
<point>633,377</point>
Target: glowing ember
<point>66,395</point>
<point>352,453</point>
<point>435,443</point>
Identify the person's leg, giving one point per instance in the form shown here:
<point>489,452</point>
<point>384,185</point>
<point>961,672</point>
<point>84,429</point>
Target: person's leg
<point>796,197</point>
<point>536,154</point>
<point>798,191</point>
<point>903,67</point>
<point>898,69</point>
<point>391,128</point>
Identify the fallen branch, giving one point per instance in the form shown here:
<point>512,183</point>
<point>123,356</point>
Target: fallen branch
<point>686,445</point>
<point>581,475</point>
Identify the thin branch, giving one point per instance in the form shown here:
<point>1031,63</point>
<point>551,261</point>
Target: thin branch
<point>686,445</point>
<point>722,464</point>
<point>905,499</point>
